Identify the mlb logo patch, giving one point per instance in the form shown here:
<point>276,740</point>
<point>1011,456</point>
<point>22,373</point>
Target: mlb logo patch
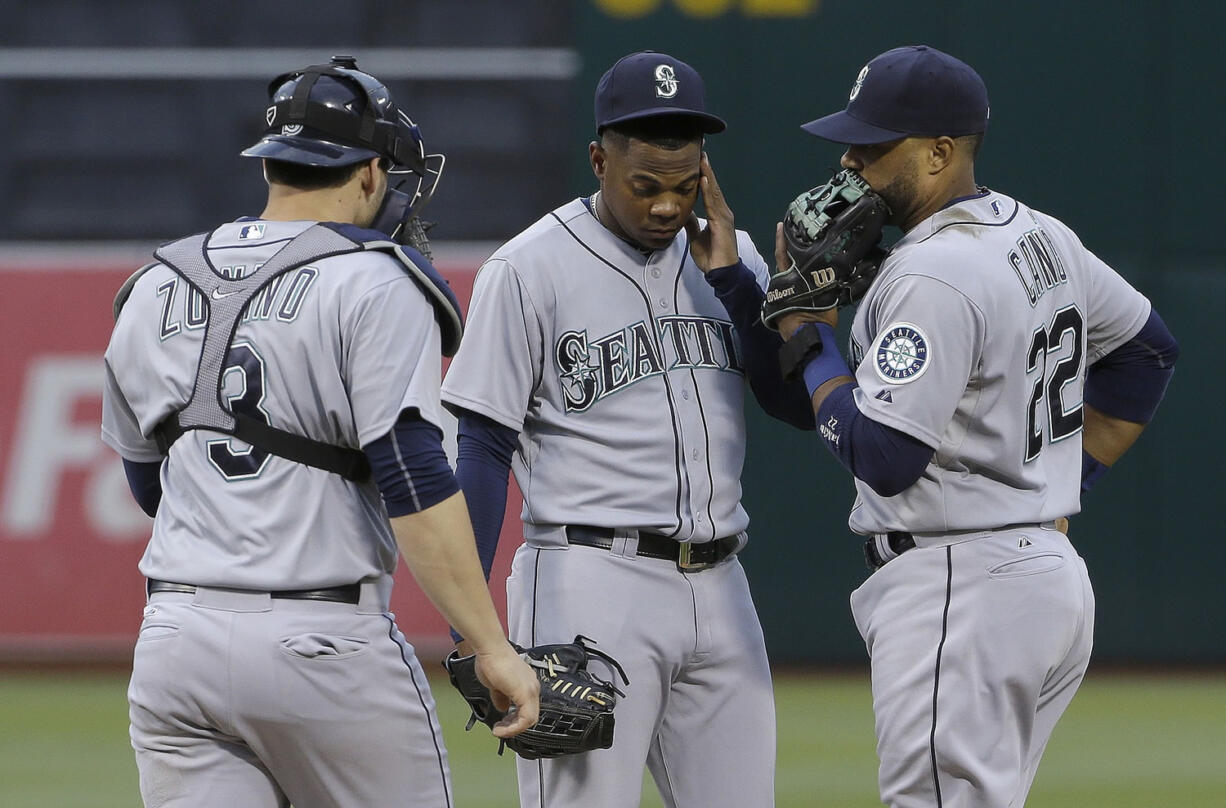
<point>251,232</point>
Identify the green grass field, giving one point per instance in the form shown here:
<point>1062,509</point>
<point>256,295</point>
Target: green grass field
<point>1127,742</point>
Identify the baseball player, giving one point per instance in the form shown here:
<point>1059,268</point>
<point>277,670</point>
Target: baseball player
<point>273,388</point>
<point>602,358</point>
<point>1000,367</point>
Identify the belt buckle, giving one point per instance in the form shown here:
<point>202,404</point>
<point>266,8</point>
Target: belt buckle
<point>684,554</point>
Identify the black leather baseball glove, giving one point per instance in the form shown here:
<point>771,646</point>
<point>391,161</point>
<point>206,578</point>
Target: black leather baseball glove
<point>576,707</point>
<point>832,234</point>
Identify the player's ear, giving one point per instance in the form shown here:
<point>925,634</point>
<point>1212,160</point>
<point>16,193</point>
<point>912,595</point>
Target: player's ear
<point>369,173</point>
<point>941,153</point>
<point>598,157</point>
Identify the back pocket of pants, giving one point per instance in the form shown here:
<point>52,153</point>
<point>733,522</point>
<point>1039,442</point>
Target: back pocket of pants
<point>323,646</point>
<point>1035,564</point>
<point>157,631</point>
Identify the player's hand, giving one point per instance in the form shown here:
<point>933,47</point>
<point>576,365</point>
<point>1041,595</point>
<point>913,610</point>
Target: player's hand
<point>714,245</point>
<point>788,323</point>
<point>514,689</point>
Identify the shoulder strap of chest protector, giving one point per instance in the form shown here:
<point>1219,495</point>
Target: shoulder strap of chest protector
<point>227,300</point>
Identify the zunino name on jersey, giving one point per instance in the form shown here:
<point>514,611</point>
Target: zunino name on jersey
<point>590,370</point>
<point>282,298</point>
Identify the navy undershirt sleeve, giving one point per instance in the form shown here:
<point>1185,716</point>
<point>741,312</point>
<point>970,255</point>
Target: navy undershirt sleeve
<point>1129,382</point>
<point>888,460</point>
<point>483,465</point>
<point>737,288</point>
<point>410,467</point>
<point>145,482</point>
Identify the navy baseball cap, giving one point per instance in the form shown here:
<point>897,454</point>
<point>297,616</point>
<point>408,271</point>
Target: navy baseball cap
<point>914,90</point>
<point>649,84</point>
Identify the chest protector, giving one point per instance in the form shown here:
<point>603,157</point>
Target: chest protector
<point>228,298</point>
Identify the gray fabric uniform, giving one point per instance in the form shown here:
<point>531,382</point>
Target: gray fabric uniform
<point>621,373</point>
<point>236,696</point>
<point>975,338</point>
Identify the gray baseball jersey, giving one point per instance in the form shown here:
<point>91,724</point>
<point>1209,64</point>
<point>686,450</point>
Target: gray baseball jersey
<point>237,696</point>
<point>975,338</point>
<point>628,363</point>
<point>270,523</point>
<point>621,372</point>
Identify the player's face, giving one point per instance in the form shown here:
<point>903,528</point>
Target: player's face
<point>648,190</point>
<point>891,169</point>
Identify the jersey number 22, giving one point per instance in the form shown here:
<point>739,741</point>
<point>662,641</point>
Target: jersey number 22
<point>1062,420</point>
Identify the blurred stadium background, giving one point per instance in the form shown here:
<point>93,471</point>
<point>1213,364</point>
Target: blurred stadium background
<point>121,126</point>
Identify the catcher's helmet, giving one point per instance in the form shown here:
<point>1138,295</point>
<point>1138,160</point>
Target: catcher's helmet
<point>336,115</point>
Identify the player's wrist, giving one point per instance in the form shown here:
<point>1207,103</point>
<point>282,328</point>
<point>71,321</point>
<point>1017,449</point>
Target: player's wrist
<point>825,363</point>
<point>1092,470</point>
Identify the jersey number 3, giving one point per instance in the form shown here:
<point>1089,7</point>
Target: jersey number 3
<point>1049,343</point>
<point>244,362</point>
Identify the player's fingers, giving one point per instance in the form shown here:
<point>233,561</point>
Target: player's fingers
<point>500,700</point>
<point>712,194</point>
<point>781,249</point>
<point>512,724</point>
<point>691,226</point>
<point>520,717</point>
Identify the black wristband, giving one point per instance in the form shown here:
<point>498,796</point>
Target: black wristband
<point>796,352</point>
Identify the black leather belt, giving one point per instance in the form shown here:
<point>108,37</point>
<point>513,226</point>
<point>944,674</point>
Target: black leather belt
<point>883,547</point>
<point>349,593</point>
<point>687,556</point>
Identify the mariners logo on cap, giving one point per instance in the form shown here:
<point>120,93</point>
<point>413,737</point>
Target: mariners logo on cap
<point>291,129</point>
<point>855,88</point>
<point>666,81</point>
<point>902,353</point>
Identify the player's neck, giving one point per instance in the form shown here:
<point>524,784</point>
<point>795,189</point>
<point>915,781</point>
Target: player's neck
<point>964,186</point>
<point>286,204</point>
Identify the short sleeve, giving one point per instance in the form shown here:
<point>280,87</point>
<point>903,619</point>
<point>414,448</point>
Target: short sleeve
<point>1117,311</point>
<point>915,369</point>
<point>499,362</point>
<point>392,358</point>
<point>751,258</point>
<point>120,426</point>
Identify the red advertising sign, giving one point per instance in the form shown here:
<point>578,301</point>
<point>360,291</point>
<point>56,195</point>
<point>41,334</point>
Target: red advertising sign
<point>70,533</point>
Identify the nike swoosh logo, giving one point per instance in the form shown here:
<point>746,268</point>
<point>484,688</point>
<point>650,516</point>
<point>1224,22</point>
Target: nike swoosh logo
<point>218,295</point>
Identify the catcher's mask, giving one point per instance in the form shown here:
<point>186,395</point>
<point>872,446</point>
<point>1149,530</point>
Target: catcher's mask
<point>336,115</point>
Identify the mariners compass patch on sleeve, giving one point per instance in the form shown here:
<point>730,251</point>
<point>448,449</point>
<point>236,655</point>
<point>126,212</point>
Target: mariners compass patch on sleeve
<point>902,353</point>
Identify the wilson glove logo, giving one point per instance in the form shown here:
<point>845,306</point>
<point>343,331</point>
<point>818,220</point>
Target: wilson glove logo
<point>822,277</point>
